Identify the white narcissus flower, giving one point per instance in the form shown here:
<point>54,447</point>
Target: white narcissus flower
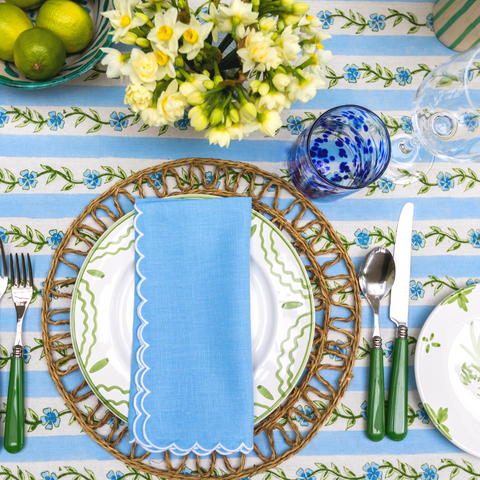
<point>218,135</point>
<point>288,46</point>
<point>195,85</point>
<point>259,52</point>
<point>151,117</point>
<point>238,13</point>
<point>143,69</point>
<point>268,24</point>
<point>273,101</point>
<point>171,104</point>
<point>306,89</point>
<point>235,131</point>
<point>309,24</point>
<point>281,81</point>
<point>165,61</point>
<point>211,16</point>
<point>167,30</point>
<point>138,97</point>
<point>123,18</point>
<point>114,62</point>
<point>267,122</point>
<point>193,37</point>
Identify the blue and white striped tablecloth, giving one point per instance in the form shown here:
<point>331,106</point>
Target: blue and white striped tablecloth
<point>61,147</point>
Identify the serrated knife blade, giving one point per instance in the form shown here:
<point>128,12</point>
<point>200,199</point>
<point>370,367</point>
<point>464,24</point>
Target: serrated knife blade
<point>400,295</point>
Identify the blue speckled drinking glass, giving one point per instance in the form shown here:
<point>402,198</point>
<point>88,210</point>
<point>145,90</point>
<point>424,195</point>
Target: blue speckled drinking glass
<point>345,149</point>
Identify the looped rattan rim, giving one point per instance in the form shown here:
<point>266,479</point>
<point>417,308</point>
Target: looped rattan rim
<point>306,227</point>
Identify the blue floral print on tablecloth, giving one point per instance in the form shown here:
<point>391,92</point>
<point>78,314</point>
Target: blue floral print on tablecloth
<point>429,21</point>
<point>416,290</point>
<point>364,407</point>
<point>473,281</point>
<point>376,22</point>
<point>351,74</point>
<point>403,76</point>
<point>385,184</point>
<point>407,125</point>
<point>209,177</point>
<point>363,238</point>
<point>183,123</point>
<point>48,476</point>
<point>4,119</point>
<point>50,419</point>
<point>336,347</point>
<point>111,475</point>
<point>91,179</point>
<point>55,239</point>
<point>429,472</point>
<point>444,181</point>
<point>388,351</point>
<point>117,121</point>
<point>28,179</point>
<point>418,240</point>
<point>470,120</point>
<point>295,125</point>
<point>372,471</point>
<point>305,474</point>
<point>308,412</point>
<point>157,179</point>
<point>3,235</point>
<point>325,19</point>
<point>55,121</point>
<point>474,238</point>
<point>422,414</point>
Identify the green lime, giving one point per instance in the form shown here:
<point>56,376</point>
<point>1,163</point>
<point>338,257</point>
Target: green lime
<point>26,4</point>
<point>13,21</point>
<point>70,21</point>
<point>39,53</point>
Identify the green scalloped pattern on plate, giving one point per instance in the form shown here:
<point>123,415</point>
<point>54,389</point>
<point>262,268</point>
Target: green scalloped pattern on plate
<point>77,64</point>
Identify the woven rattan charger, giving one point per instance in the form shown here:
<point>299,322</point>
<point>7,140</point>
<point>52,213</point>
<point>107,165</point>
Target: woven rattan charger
<point>316,242</point>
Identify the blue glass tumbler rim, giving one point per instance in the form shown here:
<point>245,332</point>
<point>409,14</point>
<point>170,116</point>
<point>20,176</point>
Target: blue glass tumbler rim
<point>336,185</point>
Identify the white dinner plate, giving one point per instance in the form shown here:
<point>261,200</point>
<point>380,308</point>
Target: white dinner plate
<point>447,368</point>
<point>282,315</point>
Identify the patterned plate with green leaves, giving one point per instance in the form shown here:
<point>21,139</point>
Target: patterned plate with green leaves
<point>447,368</point>
<point>282,314</point>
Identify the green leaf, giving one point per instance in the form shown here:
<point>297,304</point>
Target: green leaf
<point>39,127</point>
<point>4,351</point>
<point>99,365</point>
<point>469,466</point>
<point>29,232</point>
<point>291,305</point>
<point>144,127</point>
<point>455,246</point>
<point>96,273</point>
<point>423,190</point>
<point>444,82</point>
<point>79,111</point>
<point>95,128</point>
<point>80,119</point>
<point>163,129</point>
<point>440,239</point>
<point>413,30</point>
<point>437,288</point>
<point>10,175</point>
<point>90,474</point>
<point>95,114</point>
<point>333,418</point>
<point>351,422</point>
<point>470,185</point>
<point>33,415</point>
<point>454,473</point>
<point>67,187</point>
<point>347,410</point>
<point>349,472</point>
<point>397,21</point>
<point>264,391</point>
<point>51,177</point>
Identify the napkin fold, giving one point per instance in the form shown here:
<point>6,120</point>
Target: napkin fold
<point>192,383</point>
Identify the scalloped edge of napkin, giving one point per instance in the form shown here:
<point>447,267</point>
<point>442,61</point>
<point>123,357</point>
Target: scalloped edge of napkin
<point>142,390</point>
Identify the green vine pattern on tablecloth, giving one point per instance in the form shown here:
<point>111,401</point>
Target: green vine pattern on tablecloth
<point>370,471</point>
<point>376,22</point>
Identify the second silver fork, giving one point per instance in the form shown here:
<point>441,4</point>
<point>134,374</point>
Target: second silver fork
<point>22,293</point>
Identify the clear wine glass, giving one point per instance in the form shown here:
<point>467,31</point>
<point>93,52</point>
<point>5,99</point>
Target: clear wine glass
<point>445,120</point>
<point>345,149</point>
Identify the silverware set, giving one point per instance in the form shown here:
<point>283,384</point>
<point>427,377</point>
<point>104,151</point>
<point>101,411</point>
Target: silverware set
<point>379,273</point>
<point>21,281</point>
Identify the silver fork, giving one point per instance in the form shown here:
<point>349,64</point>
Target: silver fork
<point>4,276</point>
<point>22,293</point>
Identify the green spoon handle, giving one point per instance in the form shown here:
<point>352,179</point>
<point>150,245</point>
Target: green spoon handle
<point>15,416</point>
<point>397,403</point>
<point>376,393</point>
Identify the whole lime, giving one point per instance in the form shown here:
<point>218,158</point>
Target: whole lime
<point>70,21</point>
<point>39,53</point>
<point>26,4</point>
<point>13,21</point>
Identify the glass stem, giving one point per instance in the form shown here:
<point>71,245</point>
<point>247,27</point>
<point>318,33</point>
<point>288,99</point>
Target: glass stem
<point>406,146</point>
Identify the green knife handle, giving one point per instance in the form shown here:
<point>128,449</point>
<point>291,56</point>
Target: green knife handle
<point>397,402</point>
<point>15,417</point>
<point>376,394</point>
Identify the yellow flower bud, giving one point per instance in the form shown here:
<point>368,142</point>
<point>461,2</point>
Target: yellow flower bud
<point>264,89</point>
<point>179,61</point>
<point>300,8</point>
<point>142,42</point>
<point>255,85</point>
<point>217,79</point>
<point>195,98</point>
<point>206,73</point>
<point>291,19</point>
<point>233,115</point>
<point>248,112</point>
<point>209,84</point>
<point>216,116</point>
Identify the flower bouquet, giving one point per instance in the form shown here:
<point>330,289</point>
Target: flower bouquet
<point>233,67</point>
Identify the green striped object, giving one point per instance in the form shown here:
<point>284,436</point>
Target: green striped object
<point>457,23</point>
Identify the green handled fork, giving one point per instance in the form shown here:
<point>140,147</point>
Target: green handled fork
<point>22,292</point>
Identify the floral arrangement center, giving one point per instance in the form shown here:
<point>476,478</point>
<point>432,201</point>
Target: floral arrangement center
<point>232,67</point>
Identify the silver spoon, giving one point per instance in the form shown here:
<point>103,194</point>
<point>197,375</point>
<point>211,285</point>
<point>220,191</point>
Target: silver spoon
<point>376,276</point>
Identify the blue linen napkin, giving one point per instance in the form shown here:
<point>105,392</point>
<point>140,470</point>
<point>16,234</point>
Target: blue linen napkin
<point>192,383</point>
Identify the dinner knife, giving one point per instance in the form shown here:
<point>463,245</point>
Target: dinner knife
<point>400,296</point>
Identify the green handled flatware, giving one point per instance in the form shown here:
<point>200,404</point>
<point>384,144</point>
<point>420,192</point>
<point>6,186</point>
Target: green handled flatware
<point>376,276</point>
<point>397,402</point>
<point>22,292</point>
